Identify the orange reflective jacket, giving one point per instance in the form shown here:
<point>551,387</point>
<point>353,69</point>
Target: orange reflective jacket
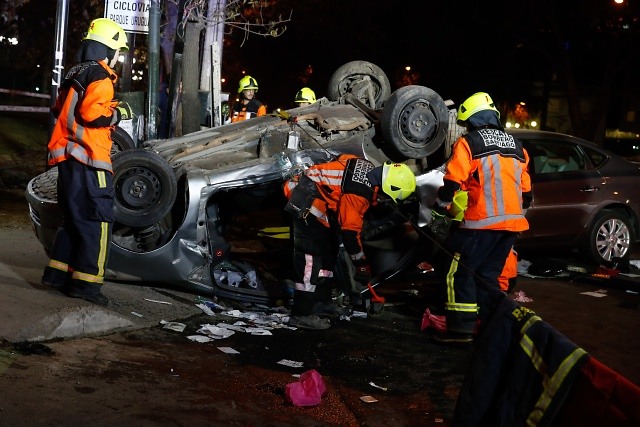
<point>510,271</point>
<point>244,112</point>
<point>492,166</point>
<point>85,116</point>
<point>343,188</point>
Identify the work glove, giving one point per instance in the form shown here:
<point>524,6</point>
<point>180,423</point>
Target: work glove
<point>362,271</point>
<point>440,223</point>
<point>124,111</point>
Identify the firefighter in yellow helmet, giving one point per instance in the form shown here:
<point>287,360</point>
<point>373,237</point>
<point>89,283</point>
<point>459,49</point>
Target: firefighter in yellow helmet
<point>330,197</point>
<point>80,148</point>
<point>305,96</point>
<point>249,106</point>
<point>491,166</point>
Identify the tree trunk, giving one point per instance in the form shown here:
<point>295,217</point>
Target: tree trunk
<point>191,110</point>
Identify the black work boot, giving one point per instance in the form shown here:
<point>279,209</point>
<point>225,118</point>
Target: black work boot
<point>86,291</point>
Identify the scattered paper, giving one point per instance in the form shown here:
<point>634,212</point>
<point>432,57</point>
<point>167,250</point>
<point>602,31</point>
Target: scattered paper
<point>594,294</point>
<point>359,314</point>
<point>228,350</point>
<point>137,314</point>
<point>372,384</point>
<point>174,326</point>
<point>206,310</point>
<point>200,338</point>
<point>159,302</point>
<point>368,399</point>
<point>291,363</point>
<point>215,332</point>
<point>258,331</point>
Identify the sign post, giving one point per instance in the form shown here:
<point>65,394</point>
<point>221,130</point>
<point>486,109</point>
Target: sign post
<point>131,15</point>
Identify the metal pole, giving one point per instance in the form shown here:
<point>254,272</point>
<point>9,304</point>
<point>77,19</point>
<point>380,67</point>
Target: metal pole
<point>154,68</point>
<point>57,74</point>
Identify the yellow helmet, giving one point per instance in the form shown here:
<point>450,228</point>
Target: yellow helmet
<point>398,181</point>
<point>108,33</point>
<point>305,95</point>
<point>477,102</point>
<point>247,82</point>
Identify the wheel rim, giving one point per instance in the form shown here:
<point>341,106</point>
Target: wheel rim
<point>417,124</point>
<point>613,239</point>
<point>138,188</point>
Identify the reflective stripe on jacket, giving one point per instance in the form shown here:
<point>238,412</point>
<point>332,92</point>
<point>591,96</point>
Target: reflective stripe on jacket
<point>85,116</point>
<point>492,166</point>
<point>521,371</point>
<point>244,112</point>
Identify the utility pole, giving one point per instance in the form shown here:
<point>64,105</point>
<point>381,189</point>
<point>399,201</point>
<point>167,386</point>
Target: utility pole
<point>212,57</point>
<point>154,68</point>
<point>62,16</point>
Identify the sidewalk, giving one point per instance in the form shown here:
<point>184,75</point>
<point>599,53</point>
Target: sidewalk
<point>30,311</point>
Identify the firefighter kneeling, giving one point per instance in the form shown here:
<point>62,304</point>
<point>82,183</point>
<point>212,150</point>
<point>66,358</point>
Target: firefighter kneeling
<point>328,203</point>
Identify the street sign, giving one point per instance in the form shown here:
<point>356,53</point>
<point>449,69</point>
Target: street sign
<point>131,15</point>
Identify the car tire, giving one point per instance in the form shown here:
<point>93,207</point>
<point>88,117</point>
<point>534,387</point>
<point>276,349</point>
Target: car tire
<point>121,140</point>
<point>611,236</point>
<point>414,123</point>
<point>145,187</point>
<point>360,78</point>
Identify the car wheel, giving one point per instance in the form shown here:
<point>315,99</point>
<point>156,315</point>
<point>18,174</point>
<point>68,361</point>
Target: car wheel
<point>610,237</point>
<point>145,187</point>
<point>363,79</point>
<point>121,140</point>
<point>414,123</point>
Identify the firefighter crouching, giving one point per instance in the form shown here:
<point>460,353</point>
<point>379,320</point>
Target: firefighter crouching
<point>328,203</point>
<point>80,146</point>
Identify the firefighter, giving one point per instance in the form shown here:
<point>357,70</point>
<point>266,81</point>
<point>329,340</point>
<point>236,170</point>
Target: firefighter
<point>328,203</point>
<point>249,106</point>
<point>304,97</point>
<point>492,166</point>
<point>80,147</point>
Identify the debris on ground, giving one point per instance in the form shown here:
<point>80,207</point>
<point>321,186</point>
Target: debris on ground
<point>520,296</point>
<point>307,391</point>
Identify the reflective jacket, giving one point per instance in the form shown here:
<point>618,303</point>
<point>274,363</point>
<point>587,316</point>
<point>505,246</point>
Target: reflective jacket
<point>340,189</point>
<point>492,166</point>
<point>244,112</point>
<point>85,111</point>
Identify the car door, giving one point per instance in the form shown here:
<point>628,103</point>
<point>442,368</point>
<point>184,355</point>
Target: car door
<point>566,190</point>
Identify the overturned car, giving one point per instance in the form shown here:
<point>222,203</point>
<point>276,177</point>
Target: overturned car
<point>187,208</point>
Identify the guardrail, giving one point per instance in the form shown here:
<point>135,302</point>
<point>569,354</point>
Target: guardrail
<point>22,108</point>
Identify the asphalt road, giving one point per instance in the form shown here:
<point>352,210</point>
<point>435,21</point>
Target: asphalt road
<point>143,374</point>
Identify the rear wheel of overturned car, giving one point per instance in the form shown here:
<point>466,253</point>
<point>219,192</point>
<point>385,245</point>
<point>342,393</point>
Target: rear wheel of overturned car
<point>145,187</point>
<point>366,81</point>
<point>414,123</point>
<point>121,140</point>
<point>610,237</point>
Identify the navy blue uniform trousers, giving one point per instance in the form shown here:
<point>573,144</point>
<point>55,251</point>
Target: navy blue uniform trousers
<point>471,281</point>
<point>80,249</point>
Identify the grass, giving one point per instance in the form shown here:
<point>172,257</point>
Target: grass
<point>23,147</point>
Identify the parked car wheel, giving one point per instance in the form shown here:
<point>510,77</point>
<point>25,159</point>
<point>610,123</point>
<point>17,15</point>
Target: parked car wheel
<point>610,236</point>
<point>414,123</point>
<point>121,140</point>
<point>145,187</point>
<point>363,79</point>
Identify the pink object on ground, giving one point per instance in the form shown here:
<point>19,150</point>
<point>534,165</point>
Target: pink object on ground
<point>307,391</point>
<point>435,321</point>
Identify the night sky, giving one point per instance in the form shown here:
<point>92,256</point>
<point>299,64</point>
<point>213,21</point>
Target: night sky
<point>456,51</point>
<point>457,48</point>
